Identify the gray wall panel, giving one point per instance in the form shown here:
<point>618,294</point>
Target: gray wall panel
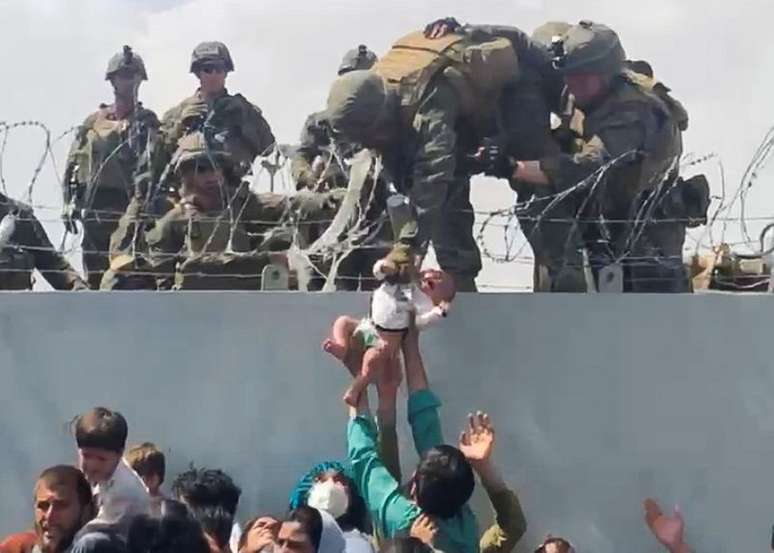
<point>599,400</point>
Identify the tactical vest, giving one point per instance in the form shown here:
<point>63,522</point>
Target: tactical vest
<point>476,70</point>
<point>102,157</point>
<point>662,149</point>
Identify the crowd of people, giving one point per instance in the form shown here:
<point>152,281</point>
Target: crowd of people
<point>590,141</point>
<point>114,500</point>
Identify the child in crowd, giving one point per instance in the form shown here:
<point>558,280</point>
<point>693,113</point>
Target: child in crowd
<point>150,465</point>
<point>370,345</point>
<point>119,493</point>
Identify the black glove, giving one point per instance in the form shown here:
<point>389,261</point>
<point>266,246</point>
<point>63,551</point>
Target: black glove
<point>442,27</point>
<point>492,159</point>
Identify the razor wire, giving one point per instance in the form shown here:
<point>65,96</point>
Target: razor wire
<point>349,229</point>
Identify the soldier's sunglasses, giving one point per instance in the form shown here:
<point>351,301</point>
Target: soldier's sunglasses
<point>212,68</point>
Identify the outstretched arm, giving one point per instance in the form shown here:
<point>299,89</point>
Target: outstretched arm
<point>390,510</point>
<point>422,403</point>
<point>669,530</point>
<point>477,444</point>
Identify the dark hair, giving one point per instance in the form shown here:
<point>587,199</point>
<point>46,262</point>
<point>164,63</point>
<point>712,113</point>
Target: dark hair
<point>65,475</point>
<point>212,498</point>
<point>146,460</point>
<point>444,481</point>
<point>310,520</point>
<point>175,531</point>
<point>101,428</point>
<point>405,545</point>
<point>207,487</point>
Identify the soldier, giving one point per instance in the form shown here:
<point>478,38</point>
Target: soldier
<point>316,136</point>
<point>107,161</point>
<point>424,106</point>
<point>316,167</point>
<point>220,235</point>
<point>230,120</point>
<point>631,146</point>
<point>24,247</point>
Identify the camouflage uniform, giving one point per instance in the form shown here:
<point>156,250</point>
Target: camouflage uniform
<point>315,167</point>
<point>229,120</point>
<point>425,127</point>
<point>641,124</point>
<point>225,248</point>
<point>526,126</point>
<point>29,248</point>
<point>109,159</point>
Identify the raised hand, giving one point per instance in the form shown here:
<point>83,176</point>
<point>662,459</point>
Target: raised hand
<point>478,440</point>
<point>667,529</point>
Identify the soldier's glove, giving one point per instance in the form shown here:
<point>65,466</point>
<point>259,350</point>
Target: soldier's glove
<point>493,160</point>
<point>442,27</point>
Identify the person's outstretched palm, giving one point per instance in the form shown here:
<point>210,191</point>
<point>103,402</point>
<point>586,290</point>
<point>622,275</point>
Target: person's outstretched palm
<point>667,529</point>
<point>478,440</point>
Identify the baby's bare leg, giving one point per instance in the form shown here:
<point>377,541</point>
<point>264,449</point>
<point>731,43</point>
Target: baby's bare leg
<point>375,361</point>
<point>341,334</point>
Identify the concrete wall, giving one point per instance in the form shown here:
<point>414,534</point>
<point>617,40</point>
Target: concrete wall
<point>599,401</point>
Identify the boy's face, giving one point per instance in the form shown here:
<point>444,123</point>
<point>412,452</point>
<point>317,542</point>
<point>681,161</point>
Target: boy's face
<point>97,464</point>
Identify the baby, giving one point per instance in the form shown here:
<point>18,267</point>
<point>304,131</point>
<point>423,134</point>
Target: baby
<point>370,345</point>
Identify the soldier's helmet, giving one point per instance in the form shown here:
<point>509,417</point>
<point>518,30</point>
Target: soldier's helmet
<point>591,48</point>
<point>211,52</point>
<point>194,146</point>
<point>356,59</point>
<point>126,59</point>
<point>356,102</point>
<point>549,33</point>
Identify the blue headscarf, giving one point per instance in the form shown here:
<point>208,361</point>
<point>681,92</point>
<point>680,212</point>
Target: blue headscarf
<point>300,493</point>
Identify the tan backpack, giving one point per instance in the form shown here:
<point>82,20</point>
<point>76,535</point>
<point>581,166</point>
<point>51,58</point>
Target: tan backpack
<point>477,70</point>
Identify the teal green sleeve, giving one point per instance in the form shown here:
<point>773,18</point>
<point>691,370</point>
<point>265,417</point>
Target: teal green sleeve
<point>424,420</point>
<point>389,509</point>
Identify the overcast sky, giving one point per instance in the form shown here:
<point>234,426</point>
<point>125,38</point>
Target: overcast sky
<point>713,54</point>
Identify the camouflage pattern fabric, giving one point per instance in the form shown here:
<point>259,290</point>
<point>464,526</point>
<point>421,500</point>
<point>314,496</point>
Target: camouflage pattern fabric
<point>109,162</point>
<point>228,119</point>
<point>634,121</point>
<point>29,248</point>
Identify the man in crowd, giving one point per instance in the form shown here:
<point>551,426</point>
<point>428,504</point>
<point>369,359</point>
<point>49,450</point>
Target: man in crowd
<point>120,494</point>
<point>64,508</point>
<point>443,481</point>
<point>25,247</point>
<point>108,161</point>
<point>212,498</point>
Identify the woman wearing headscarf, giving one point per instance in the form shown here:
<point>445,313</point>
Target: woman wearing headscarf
<point>329,488</point>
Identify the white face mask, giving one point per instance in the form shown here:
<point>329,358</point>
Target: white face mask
<point>329,496</point>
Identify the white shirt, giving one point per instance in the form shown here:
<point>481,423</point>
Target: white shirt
<point>120,499</point>
<point>392,304</point>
